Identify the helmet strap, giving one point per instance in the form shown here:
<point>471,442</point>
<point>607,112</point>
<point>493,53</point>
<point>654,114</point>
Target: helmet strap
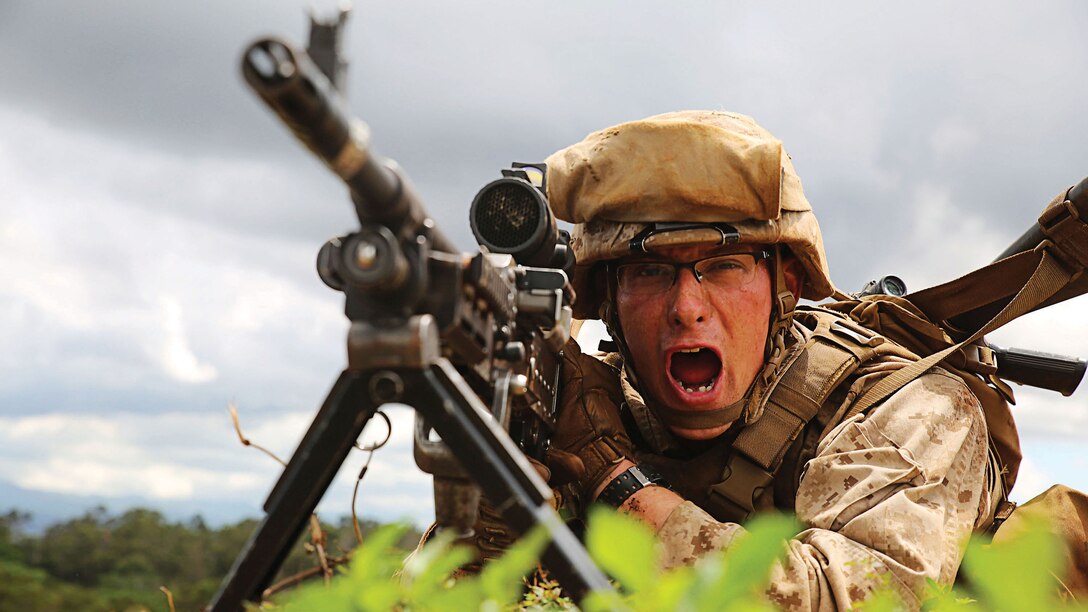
<point>783,304</point>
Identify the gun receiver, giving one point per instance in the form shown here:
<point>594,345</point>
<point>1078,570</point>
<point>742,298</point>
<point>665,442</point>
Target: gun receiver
<point>1036,369</point>
<point>430,327</point>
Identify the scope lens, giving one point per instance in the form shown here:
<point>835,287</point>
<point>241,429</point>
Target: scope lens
<point>893,285</point>
<point>507,215</point>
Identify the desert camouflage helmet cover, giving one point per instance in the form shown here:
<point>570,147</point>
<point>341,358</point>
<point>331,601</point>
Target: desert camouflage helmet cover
<point>692,166</point>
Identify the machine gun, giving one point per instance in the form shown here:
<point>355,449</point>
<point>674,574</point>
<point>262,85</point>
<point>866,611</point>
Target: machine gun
<point>441,331</point>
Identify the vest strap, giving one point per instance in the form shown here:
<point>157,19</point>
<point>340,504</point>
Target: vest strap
<point>743,482</point>
<point>834,351</point>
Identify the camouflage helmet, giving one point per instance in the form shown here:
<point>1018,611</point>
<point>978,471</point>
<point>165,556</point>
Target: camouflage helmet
<point>705,177</point>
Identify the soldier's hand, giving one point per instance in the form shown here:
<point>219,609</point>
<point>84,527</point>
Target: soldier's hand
<point>492,535</point>
<point>590,438</point>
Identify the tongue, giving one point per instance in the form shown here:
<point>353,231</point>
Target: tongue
<point>695,368</point>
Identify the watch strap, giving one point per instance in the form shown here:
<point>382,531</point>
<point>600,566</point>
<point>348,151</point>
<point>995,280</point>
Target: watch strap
<point>628,483</point>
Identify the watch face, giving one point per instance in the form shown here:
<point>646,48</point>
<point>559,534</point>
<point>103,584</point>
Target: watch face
<point>642,478</point>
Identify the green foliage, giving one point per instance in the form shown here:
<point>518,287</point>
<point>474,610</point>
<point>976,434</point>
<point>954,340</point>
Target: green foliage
<point>1021,573</point>
<point>992,569</point>
<point>623,548</point>
<point>621,545</point>
<point>426,582</point>
<point>100,561</point>
<point>545,595</point>
<point>1017,575</point>
<point>733,581</point>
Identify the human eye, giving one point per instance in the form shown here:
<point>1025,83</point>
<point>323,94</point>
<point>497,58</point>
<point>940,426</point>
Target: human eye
<point>727,264</point>
<point>651,270</point>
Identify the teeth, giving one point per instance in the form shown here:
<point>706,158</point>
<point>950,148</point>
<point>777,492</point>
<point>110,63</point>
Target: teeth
<point>703,389</point>
<point>694,350</point>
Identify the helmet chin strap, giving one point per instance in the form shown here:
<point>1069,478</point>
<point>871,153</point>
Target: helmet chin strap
<point>750,406</point>
<point>774,352</point>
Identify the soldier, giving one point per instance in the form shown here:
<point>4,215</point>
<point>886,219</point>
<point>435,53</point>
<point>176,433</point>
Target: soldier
<point>723,398</point>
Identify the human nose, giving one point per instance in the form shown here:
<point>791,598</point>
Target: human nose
<point>689,304</point>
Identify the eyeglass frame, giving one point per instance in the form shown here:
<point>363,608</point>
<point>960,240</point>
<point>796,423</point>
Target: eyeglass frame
<point>757,257</point>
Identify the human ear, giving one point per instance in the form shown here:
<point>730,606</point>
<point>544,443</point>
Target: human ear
<point>795,275</point>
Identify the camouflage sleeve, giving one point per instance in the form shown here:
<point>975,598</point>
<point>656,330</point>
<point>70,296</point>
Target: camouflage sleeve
<point>889,501</point>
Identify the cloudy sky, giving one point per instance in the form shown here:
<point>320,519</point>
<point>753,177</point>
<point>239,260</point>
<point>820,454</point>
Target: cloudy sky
<point>158,228</point>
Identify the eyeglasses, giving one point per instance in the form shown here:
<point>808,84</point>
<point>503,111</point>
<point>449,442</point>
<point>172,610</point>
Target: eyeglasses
<point>730,271</point>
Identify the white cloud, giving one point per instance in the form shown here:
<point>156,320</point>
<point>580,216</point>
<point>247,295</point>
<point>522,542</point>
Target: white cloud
<point>111,290</point>
<point>1031,480</point>
<point>946,240</point>
<point>197,456</point>
<point>112,456</point>
<point>175,355</point>
<point>952,140</point>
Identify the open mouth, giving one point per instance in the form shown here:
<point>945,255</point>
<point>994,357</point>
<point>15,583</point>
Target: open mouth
<point>695,370</point>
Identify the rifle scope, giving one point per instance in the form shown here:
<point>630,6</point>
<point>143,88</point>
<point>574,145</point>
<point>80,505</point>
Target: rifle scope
<point>511,215</point>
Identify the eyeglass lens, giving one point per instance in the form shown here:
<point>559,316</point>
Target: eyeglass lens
<point>725,271</point>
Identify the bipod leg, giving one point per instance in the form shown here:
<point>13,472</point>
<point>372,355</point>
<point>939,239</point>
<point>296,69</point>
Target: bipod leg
<point>348,407</point>
<point>442,396</point>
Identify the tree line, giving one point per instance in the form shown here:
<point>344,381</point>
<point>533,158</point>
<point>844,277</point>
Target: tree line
<point>102,561</point>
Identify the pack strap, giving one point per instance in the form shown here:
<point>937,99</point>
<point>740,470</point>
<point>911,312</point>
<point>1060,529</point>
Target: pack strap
<point>1049,277</point>
<point>1062,230</point>
<point>986,285</point>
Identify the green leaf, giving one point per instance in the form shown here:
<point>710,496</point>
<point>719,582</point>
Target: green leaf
<point>1019,573</point>
<point>465,594</point>
<point>368,584</point>
<point>378,556</point>
<point>668,591</point>
<point>742,575</point>
<point>502,578</point>
<point>430,569</point>
<point>623,546</point>
<point>337,596</point>
<point>945,598</point>
<point>605,601</point>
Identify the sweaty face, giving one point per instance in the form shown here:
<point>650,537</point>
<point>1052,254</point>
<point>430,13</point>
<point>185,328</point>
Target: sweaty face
<point>696,346</point>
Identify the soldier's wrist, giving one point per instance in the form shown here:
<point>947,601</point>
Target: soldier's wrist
<point>618,468</point>
<point>628,483</point>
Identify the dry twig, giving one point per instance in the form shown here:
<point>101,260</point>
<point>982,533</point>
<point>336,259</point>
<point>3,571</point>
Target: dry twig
<point>246,441</point>
<point>295,580</point>
<point>169,598</point>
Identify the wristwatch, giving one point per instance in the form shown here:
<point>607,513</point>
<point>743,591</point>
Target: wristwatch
<point>626,484</point>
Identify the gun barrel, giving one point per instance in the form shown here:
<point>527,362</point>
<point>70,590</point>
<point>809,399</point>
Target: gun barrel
<point>1077,194</point>
<point>304,99</point>
<point>972,319</point>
